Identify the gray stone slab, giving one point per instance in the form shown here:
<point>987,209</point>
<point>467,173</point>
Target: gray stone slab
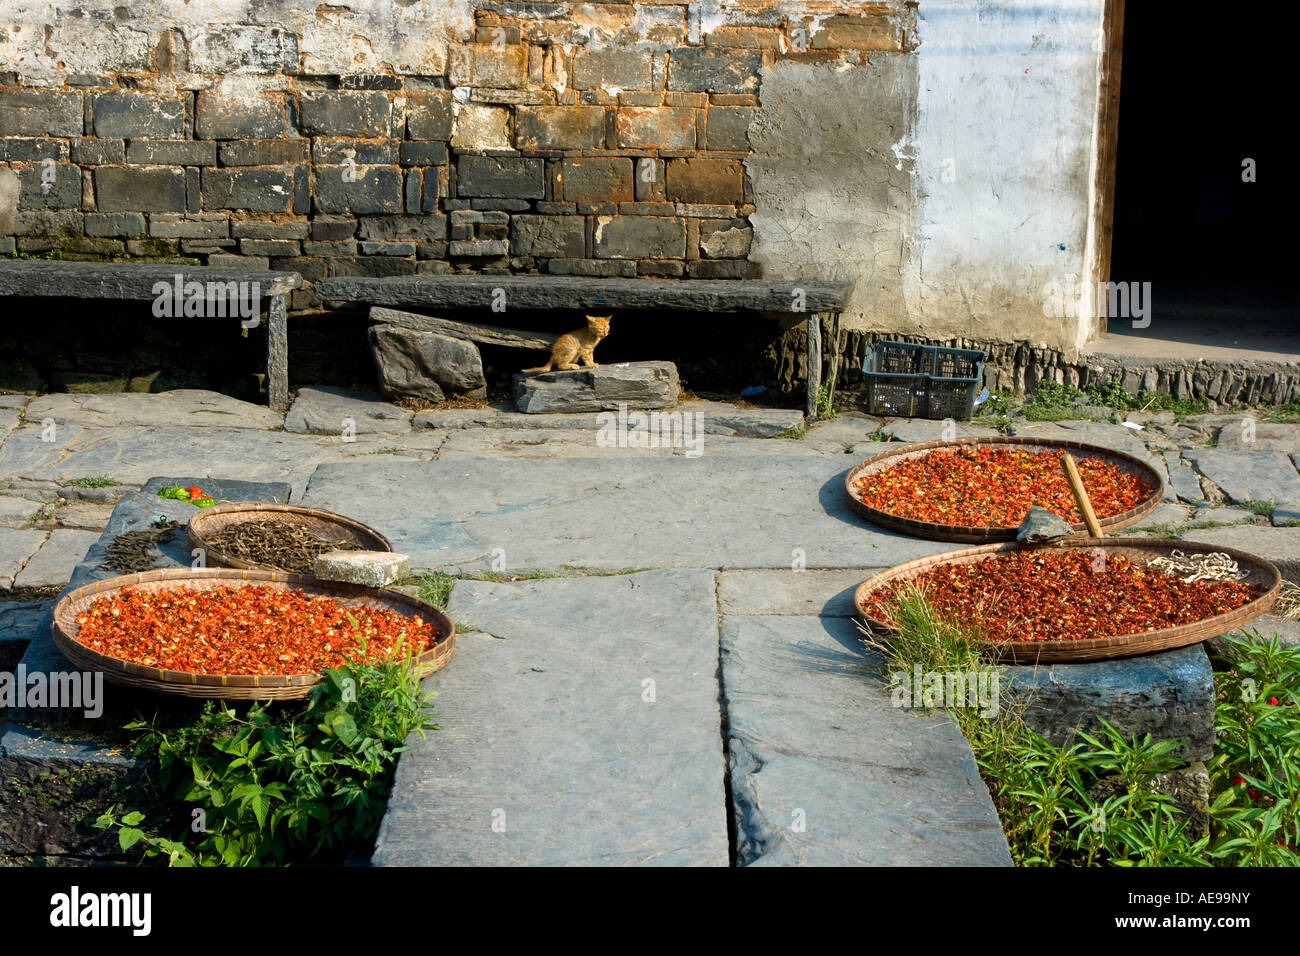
<point>573,292</point>
<point>825,771</point>
<point>1225,515</point>
<point>548,732</point>
<point>52,565</point>
<point>192,407</point>
<point>1250,435</point>
<point>1249,475</point>
<point>1279,545</point>
<point>1169,695</point>
<point>14,401</point>
<point>9,418</point>
<point>629,511</point>
<point>808,593</point>
<point>327,411</point>
<point>21,621</point>
<point>925,429</point>
<point>1182,479</point>
<point>14,511</point>
<point>16,548</point>
<point>632,384</point>
<point>124,280</point>
<point>1165,515</point>
<point>84,515</point>
<point>722,418</point>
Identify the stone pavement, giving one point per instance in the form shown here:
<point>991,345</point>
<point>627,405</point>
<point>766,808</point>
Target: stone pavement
<point>719,570</point>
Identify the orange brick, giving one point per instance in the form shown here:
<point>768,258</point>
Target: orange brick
<point>858,33</point>
<point>754,38</point>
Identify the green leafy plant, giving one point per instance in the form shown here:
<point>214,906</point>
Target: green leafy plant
<point>280,784</point>
<point>825,411</point>
<point>93,481</point>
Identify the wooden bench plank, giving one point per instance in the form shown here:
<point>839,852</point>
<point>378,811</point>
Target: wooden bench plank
<point>487,334</point>
<point>576,292</point>
<point>61,278</point>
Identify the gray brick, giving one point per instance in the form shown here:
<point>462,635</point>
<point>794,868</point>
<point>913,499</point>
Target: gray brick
<point>559,127</point>
<point>254,189</point>
<point>462,231</point>
<point>370,81</point>
<point>413,190</point>
<point>477,248</point>
<point>500,176</point>
<point>424,154</point>
<point>7,246</point>
<point>98,152</point>
<point>257,229</point>
<point>333,227</point>
<point>548,236</point>
<point>429,115</point>
<point>714,70</point>
<point>140,189</point>
<point>62,192</point>
<point>332,248</point>
<point>308,267</point>
<point>718,269</point>
<point>346,113</point>
<point>176,227</point>
<point>265,152</point>
<point>378,190</point>
<point>597,180</point>
<point>376,266</point>
<point>269,247</point>
<point>33,149</point>
<point>132,115</point>
<point>221,261</point>
<point>507,205</point>
<point>229,117</point>
<point>126,225</point>
<point>626,69</point>
<point>640,237</point>
<point>728,127</point>
<point>50,222</point>
<point>301,191</point>
<point>363,152</point>
<point>591,267</point>
<point>192,247</point>
<point>171,152</point>
<point>90,79</point>
<point>41,113</point>
<point>427,227</point>
<point>387,248</point>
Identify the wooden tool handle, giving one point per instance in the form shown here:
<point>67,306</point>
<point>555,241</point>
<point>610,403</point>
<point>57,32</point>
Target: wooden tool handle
<point>1081,496</point>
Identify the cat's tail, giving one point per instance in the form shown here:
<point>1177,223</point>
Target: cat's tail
<point>540,368</point>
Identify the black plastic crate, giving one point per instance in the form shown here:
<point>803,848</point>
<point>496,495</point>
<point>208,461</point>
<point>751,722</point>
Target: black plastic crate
<point>931,381</point>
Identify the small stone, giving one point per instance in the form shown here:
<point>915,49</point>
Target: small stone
<point>1041,525</point>
<point>422,364</point>
<point>372,569</point>
<point>635,384</point>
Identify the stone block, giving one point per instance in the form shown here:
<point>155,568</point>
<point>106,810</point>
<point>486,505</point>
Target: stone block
<point>41,113</point>
<point>265,152</point>
<point>140,189</point>
<point>430,227</point>
<point>502,176</point>
<point>636,384</point>
<point>256,116</point>
<point>176,227</point>
<point>502,67</point>
<point>559,127</point>
<point>255,189</point>
<point>324,228</point>
<point>132,115</point>
<point>597,180</point>
<point>171,152</point>
<point>429,115</point>
<point>728,127</point>
<point>422,364</point>
<point>640,237</point>
<point>372,569</point>
<point>377,189</point>
<point>364,152</point>
<point>725,240</point>
<point>481,127</point>
<point>714,70</point>
<point>716,181</point>
<point>626,69</point>
<point>424,154</point>
<point>858,33</point>
<point>256,229</point>
<point>548,236</point>
<point>63,191</point>
<point>655,127</point>
<point>127,225</point>
<point>346,113</point>
<point>98,152</point>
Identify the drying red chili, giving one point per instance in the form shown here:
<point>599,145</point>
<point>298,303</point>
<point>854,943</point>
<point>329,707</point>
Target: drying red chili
<point>983,486</point>
<point>244,630</point>
<point>1066,595</point>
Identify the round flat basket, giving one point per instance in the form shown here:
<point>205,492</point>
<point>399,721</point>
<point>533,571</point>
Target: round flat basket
<point>206,523</point>
<point>982,535</point>
<point>232,686</point>
<point>1258,571</point>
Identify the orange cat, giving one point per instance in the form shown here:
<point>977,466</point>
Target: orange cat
<point>571,346</point>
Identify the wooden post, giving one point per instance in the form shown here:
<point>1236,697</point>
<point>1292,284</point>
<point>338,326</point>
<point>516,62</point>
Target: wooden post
<point>1081,496</point>
<point>836,347</point>
<point>814,364</point>
<point>277,354</point>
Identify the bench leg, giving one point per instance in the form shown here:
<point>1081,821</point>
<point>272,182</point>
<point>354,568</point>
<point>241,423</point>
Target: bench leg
<point>277,354</point>
<point>814,364</point>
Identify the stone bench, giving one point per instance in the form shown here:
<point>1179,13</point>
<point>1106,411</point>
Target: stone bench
<point>140,281</point>
<point>813,299</point>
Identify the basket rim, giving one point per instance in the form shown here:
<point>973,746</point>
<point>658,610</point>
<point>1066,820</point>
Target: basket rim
<point>66,640</point>
<point>1119,645</point>
<point>988,533</point>
<point>203,516</point>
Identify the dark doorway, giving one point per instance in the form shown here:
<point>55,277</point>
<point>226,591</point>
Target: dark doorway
<point>1217,250</point>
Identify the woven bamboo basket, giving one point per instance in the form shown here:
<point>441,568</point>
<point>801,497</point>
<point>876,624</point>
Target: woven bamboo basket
<point>983,535</point>
<point>207,522</point>
<point>1258,570</point>
<point>232,686</point>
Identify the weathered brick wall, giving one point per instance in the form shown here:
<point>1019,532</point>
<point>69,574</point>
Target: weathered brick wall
<point>603,139</point>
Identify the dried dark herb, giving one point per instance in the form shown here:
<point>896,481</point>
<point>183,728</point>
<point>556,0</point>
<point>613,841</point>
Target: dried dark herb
<point>134,551</point>
<point>276,544</point>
